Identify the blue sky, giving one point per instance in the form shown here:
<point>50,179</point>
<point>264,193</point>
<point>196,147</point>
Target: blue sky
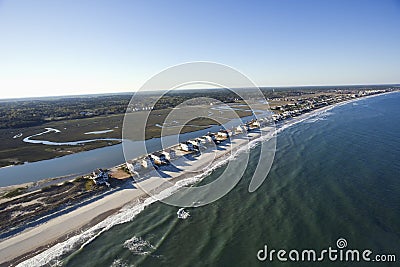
<point>62,47</point>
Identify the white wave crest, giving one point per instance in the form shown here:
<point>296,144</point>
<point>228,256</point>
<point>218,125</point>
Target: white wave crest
<point>120,263</point>
<point>138,246</point>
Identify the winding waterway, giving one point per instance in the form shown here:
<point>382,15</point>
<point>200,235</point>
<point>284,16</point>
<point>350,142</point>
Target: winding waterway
<point>85,162</point>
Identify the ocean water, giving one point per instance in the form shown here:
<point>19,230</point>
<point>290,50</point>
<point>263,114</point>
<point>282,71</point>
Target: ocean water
<point>336,175</point>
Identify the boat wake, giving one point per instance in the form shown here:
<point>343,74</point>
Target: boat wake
<point>138,246</point>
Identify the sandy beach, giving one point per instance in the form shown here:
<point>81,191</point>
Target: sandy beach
<point>32,241</point>
<point>35,240</point>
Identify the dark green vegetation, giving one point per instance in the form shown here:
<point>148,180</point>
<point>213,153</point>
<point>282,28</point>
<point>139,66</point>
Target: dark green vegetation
<point>33,112</point>
<point>26,113</point>
<point>16,192</point>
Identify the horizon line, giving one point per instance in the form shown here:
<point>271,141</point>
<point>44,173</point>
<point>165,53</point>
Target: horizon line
<point>187,89</point>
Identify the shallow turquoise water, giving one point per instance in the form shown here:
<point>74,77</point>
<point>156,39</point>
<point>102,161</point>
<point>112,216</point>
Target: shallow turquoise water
<point>333,177</point>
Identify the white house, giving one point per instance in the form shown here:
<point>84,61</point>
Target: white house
<point>169,154</point>
<point>186,146</point>
<point>208,138</point>
<point>100,177</point>
<point>195,143</point>
<point>223,134</point>
<point>159,158</point>
<point>203,139</point>
<point>255,124</point>
<point>146,162</point>
<point>134,166</point>
<point>239,129</point>
<point>276,117</point>
<point>129,165</point>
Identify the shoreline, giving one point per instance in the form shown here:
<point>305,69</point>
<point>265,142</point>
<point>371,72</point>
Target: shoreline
<point>115,144</point>
<point>35,240</point>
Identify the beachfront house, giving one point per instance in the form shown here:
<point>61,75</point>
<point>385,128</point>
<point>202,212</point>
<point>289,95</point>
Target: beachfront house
<point>239,129</point>
<point>202,140</point>
<point>211,136</point>
<point>254,124</point>
<point>276,117</point>
<point>169,154</point>
<point>134,166</point>
<point>195,143</point>
<point>223,134</point>
<point>186,146</point>
<point>129,165</point>
<point>146,162</point>
<point>208,138</point>
<point>100,177</point>
<point>159,158</point>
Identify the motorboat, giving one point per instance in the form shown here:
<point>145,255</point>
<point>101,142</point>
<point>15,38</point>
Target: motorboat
<point>182,214</point>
